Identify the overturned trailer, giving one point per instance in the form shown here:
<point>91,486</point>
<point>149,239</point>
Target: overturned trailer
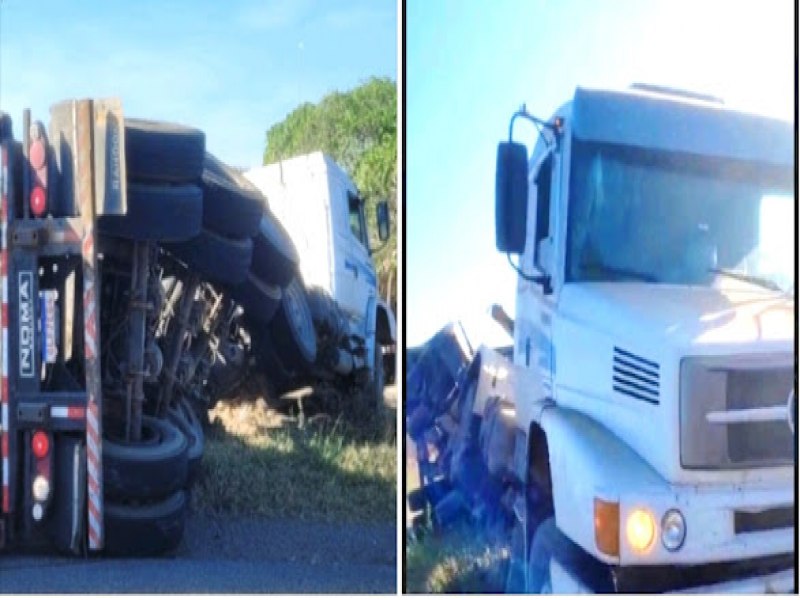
<point>141,279</point>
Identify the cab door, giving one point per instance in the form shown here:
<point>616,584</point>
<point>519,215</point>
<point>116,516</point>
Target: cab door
<point>536,302</point>
<point>357,281</point>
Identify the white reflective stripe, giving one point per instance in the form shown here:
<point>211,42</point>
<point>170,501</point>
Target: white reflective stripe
<point>91,444</point>
<point>4,283</point>
<point>89,341</point>
<point>93,523</point>
<point>92,470</point>
<point>4,413</point>
<point>749,415</point>
<point>59,412</point>
<point>91,419</point>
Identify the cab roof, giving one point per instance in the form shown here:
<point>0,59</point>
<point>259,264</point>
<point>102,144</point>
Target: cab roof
<point>653,117</point>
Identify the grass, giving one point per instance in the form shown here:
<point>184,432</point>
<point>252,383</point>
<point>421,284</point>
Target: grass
<point>457,561</point>
<point>257,463</point>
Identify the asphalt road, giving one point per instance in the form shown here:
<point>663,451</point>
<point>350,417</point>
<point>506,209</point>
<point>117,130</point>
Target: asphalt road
<point>226,556</point>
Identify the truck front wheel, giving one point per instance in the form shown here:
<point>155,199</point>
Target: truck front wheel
<point>548,542</point>
<point>515,576</point>
<point>293,328</point>
<point>546,537</point>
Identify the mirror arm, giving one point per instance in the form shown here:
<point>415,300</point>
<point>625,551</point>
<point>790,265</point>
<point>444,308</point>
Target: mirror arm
<point>556,128</point>
<point>543,280</point>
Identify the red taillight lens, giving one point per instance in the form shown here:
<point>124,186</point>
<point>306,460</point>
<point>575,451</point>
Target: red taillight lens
<point>38,201</point>
<point>40,444</point>
<point>37,154</point>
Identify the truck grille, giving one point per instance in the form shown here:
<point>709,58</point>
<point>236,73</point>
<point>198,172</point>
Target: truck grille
<point>734,411</point>
<point>764,441</point>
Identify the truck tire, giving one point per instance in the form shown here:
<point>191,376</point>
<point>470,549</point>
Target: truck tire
<point>259,299</point>
<point>151,469</point>
<point>185,419</point>
<point>145,529</point>
<point>547,542</point>
<point>376,384</point>
<point>157,213</point>
<point>275,257</point>
<point>163,152</point>
<point>515,574</point>
<point>216,257</point>
<point>232,206</point>
<point>292,329</point>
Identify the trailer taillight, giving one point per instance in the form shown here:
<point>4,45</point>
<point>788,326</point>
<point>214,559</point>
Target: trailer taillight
<point>37,158</point>
<point>38,201</point>
<point>40,444</point>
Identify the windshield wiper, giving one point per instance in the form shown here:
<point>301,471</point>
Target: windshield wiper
<point>621,272</point>
<point>755,279</point>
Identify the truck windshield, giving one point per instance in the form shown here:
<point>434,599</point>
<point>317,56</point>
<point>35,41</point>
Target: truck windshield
<point>664,217</point>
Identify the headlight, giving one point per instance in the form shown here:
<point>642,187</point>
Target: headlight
<point>673,530</point>
<point>640,529</point>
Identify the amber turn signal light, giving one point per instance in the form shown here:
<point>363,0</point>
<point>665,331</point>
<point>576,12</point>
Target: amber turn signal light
<point>606,526</point>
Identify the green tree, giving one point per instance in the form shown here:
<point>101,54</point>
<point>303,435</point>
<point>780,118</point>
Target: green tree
<point>358,129</point>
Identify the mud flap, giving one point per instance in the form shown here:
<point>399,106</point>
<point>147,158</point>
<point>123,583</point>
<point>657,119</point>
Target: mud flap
<point>68,525</point>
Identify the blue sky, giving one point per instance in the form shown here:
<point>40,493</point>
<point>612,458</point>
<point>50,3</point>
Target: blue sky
<point>231,68</point>
<point>469,67</point>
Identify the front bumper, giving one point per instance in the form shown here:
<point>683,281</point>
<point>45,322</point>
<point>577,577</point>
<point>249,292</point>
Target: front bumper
<point>781,582</point>
<point>774,583</point>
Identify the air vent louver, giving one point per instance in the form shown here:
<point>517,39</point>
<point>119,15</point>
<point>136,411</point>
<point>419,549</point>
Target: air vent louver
<point>635,376</point>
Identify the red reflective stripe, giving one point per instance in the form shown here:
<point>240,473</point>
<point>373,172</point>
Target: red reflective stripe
<point>76,412</point>
<point>94,511</point>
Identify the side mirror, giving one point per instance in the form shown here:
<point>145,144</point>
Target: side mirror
<point>511,197</point>
<point>382,218</point>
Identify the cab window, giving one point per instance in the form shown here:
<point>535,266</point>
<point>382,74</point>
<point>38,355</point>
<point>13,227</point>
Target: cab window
<point>543,179</point>
<point>355,217</point>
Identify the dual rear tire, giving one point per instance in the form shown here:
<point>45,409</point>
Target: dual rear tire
<point>145,482</point>
<point>145,507</point>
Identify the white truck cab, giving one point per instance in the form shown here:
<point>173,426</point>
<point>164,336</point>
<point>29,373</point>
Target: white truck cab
<point>651,398</point>
<point>321,209</point>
